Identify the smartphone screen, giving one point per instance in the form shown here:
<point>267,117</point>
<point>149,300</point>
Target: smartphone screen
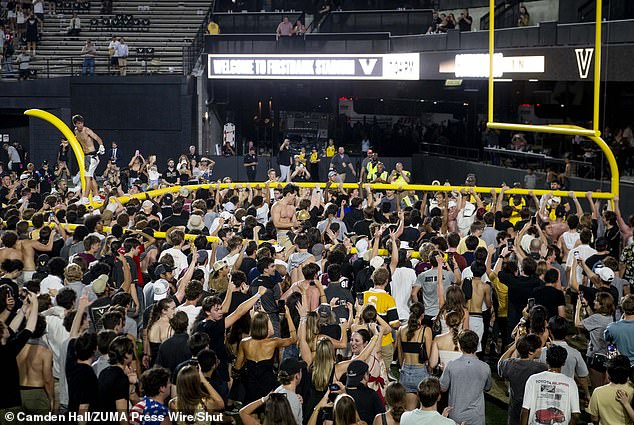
<point>576,254</point>
<point>510,243</point>
<point>280,305</point>
<point>533,220</point>
<point>360,299</point>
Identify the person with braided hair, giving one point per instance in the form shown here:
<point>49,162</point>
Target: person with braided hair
<point>445,346</point>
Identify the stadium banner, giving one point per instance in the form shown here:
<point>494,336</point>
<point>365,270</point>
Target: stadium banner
<point>393,66</point>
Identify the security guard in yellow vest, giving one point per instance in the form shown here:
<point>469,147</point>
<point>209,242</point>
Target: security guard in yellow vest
<point>400,176</point>
<point>330,149</point>
<point>379,174</point>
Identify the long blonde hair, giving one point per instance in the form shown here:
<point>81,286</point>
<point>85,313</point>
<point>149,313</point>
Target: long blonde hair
<point>323,364</point>
<point>312,329</point>
<point>190,391</point>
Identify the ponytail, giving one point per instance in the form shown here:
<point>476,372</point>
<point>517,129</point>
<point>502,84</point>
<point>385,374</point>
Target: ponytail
<point>417,310</point>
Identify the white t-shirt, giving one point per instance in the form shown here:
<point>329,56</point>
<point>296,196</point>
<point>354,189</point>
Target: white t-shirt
<point>403,281</point>
<point>424,417</point>
<point>38,6</point>
<point>570,238</point>
<point>191,311</point>
<point>585,252</point>
<point>551,398</point>
<point>50,282</point>
<point>262,214</point>
<point>180,260</point>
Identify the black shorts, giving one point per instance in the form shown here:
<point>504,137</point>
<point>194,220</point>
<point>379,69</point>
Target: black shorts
<point>114,60</point>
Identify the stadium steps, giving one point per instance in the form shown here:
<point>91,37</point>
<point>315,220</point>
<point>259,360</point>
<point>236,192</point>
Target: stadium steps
<point>172,26</point>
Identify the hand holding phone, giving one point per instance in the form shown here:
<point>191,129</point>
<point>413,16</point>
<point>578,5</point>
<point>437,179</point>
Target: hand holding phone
<point>531,303</point>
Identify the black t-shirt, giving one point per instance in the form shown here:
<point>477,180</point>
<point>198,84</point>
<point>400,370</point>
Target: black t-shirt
<point>284,157</point>
<point>333,331</point>
<point>550,297</point>
<point>592,260</point>
<point>216,331</point>
<point>247,264</point>
<point>368,402</point>
<point>520,290</point>
<point>170,176</point>
<point>96,310</point>
<point>10,388</point>
<point>173,351</point>
<point>335,290</point>
<point>362,227</point>
<point>82,382</point>
<point>352,217</point>
<point>613,235</point>
<point>463,24</point>
<point>590,293</point>
<point>501,225</point>
<point>249,159</point>
<point>4,193</point>
<point>113,385</point>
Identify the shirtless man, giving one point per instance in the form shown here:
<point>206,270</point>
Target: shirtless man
<point>23,250</point>
<point>35,362</point>
<point>481,294</point>
<point>283,213</point>
<point>86,138</point>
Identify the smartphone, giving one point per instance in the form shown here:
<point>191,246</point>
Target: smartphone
<point>137,152</point>
<point>576,254</point>
<point>360,299</point>
<point>531,303</point>
<point>581,295</point>
<point>533,220</point>
<point>341,303</point>
<point>334,387</point>
<point>510,243</point>
<point>121,251</point>
<point>52,215</point>
<point>280,305</point>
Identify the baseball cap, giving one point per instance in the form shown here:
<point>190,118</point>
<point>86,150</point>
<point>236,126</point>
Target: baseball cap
<point>162,269</point>
<point>332,173</point>
<point>376,262</point>
<point>324,310</point>
<point>168,199</point>
<point>99,284</point>
<point>278,248</point>
<point>356,371</point>
<point>219,265</point>
<point>183,192</point>
<point>292,366</point>
<point>605,273</point>
<point>160,289</point>
<point>362,245</point>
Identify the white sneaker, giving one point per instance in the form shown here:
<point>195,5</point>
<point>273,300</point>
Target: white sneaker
<point>85,201</point>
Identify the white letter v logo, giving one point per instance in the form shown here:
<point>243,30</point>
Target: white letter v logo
<point>367,65</point>
<point>584,59</point>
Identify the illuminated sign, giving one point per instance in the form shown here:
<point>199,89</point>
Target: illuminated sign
<point>477,65</point>
<point>405,66</point>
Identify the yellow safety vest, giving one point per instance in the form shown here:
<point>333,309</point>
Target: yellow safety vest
<point>372,170</point>
<point>314,158</point>
<point>383,176</point>
<point>302,158</point>
<point>400,178</point>
<point>330,151</point>
<point>213,28</point>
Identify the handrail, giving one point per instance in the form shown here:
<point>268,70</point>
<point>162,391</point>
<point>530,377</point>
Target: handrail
<point>192,52</point>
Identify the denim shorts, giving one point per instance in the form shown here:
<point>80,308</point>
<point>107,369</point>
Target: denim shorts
<point>412,375</point>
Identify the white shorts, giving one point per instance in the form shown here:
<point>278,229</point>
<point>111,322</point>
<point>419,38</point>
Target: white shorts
<point>91,162</point>
<point>476,324</point>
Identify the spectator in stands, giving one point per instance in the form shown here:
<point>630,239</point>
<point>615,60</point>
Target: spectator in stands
<point>106,7</point>
<point>284,160</point>
<point>24,64</point>
<point>300,28</point>
<point>38,11</point>
<point>285,28</point>
<point>448,23</point>
<point>32,34</point>
<point>112,52</point>
<point>88,52</point>
<point>122,57</point>
<point>465,21</point>
<point>227,149</point>
<point>74,25</point>
<point>340,163</point>
<point>525,19</point>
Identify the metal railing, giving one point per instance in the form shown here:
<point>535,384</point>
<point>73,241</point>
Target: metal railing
<point>192,52</point>
<point>506,16</point>
<point>73,66</point>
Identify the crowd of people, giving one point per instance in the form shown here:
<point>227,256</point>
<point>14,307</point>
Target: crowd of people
<point>284,305</point>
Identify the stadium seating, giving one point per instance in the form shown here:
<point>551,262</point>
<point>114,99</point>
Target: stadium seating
<point>164,26</point>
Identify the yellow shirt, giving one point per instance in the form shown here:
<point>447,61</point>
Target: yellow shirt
<point>515,217</point>
<point>213,28</point>
<point>502,292</point>
<point>462,246</point>
<point>330,151</point>
<point>604,405</point>
<point>302,158</point>
<point>314,158</point>
<point>385,307</point>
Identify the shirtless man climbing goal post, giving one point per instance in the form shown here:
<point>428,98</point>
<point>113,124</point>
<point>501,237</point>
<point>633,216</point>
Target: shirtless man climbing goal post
<point>87,138</point>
